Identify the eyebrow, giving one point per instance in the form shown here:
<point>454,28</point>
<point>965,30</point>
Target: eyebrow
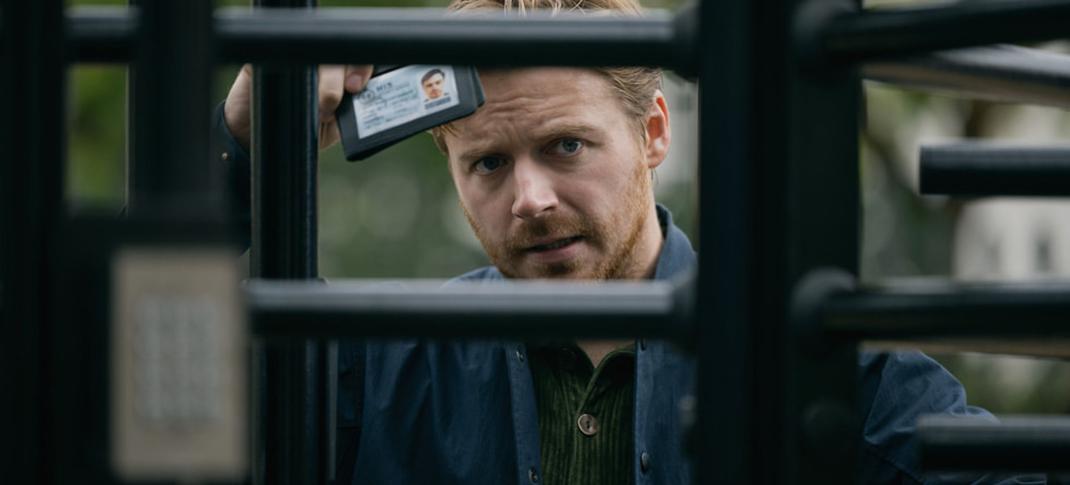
<point>560,130</point>
<point>552,132</point>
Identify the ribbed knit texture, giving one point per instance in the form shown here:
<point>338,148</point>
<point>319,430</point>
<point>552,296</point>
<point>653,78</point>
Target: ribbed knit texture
<point>567,386</point>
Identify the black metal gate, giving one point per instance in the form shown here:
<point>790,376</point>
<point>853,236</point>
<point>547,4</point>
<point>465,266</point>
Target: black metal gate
<point>773,310</point>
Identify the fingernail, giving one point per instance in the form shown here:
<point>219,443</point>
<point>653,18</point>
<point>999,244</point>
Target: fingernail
<point>354,81</point>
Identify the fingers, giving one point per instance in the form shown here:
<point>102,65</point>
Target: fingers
<point>357,77</point>
<point>328,134</point>
<point>331,79</point>
<point>236,107</point>
<point>334,81</point>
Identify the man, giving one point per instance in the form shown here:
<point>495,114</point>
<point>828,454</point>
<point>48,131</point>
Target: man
<point>434,84</point>
<point>554,175</point>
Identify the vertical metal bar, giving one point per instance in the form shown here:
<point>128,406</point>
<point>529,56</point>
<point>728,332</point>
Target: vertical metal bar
<point>172,174</point>
<point>779,199</point>
<point>812,190</point>
<point>723,424</point>
<point>32,88</point>
<point>130,170</point>
<point>330,410</point>
<point>284,243</point>
<point>172,181</point>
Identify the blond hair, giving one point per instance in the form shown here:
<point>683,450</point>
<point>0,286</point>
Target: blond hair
<point>634,87</point>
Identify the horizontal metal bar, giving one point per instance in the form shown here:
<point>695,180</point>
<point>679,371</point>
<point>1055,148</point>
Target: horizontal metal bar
<point>520,310</point>
<point>869,34</point>
<point>101,34</point>
<point>423,36</point>
<point>1016,443</point>
<point>932,309</point>
<point>988,169</point>
<point>405,36</point>
<point>999,73</point>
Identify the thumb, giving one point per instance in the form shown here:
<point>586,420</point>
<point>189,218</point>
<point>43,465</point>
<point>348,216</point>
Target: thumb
<point>356,77</point>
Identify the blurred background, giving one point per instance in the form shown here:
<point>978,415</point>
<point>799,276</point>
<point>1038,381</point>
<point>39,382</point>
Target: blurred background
<point>396,215</point>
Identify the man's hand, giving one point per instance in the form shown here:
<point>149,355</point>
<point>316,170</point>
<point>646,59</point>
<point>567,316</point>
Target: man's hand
<point>333,82</point>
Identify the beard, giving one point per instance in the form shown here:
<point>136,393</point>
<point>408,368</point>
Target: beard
<point>613,241</point>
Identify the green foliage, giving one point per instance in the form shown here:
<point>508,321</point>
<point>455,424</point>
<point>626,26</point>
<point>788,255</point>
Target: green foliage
<point>96,127</point>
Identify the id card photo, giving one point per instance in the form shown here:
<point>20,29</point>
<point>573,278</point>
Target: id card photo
<point>403,95</point>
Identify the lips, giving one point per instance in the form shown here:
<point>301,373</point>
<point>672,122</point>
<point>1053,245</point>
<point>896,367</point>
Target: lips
<point>554,244</point>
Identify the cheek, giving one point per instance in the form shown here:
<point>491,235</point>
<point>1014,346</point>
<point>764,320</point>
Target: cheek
<point>608,179</point>
<point>485,207</point>
<point>474,195</point>
<point>583,193</point>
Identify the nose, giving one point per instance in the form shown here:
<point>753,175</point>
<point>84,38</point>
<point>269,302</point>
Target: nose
<point>535,194</point>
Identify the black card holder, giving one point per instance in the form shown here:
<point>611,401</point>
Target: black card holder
<point>396,105</point>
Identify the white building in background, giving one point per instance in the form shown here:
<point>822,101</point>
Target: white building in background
<point>1016,239</point>
<point>1019,240</point>
<point>1013,240</point>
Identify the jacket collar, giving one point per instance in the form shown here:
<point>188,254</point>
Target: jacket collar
<point>677,257</point>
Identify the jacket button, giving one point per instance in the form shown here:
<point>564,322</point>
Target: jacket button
<point>533,475</point>
<point>644,461</point>
<point>520,353</point>
<point>225,156</point>
<point>588,424</point>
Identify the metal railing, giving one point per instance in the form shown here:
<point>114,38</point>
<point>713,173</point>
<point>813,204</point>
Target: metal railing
<point>407,36</point>
<point>779,199</point>
<point>428,309</point>
<point>983,169</point>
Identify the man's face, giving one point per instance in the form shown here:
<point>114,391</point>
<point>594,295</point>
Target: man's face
<point>554,176</point>
<point>433,86</point>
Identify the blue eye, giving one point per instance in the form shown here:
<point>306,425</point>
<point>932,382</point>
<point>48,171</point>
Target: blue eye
<point>487,165</point>
<point>566,147</point>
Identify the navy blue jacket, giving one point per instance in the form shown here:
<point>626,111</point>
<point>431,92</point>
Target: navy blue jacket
<point>464,412</point>
<point>421,412</point>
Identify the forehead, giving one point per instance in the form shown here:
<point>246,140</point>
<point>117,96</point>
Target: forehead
<point>502,84</point>
<point>522,101</point>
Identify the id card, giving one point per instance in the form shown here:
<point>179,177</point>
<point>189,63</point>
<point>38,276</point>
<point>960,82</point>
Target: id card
<point>399,102</point>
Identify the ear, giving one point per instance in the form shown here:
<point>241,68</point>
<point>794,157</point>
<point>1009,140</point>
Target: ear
<point>658,134</point>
